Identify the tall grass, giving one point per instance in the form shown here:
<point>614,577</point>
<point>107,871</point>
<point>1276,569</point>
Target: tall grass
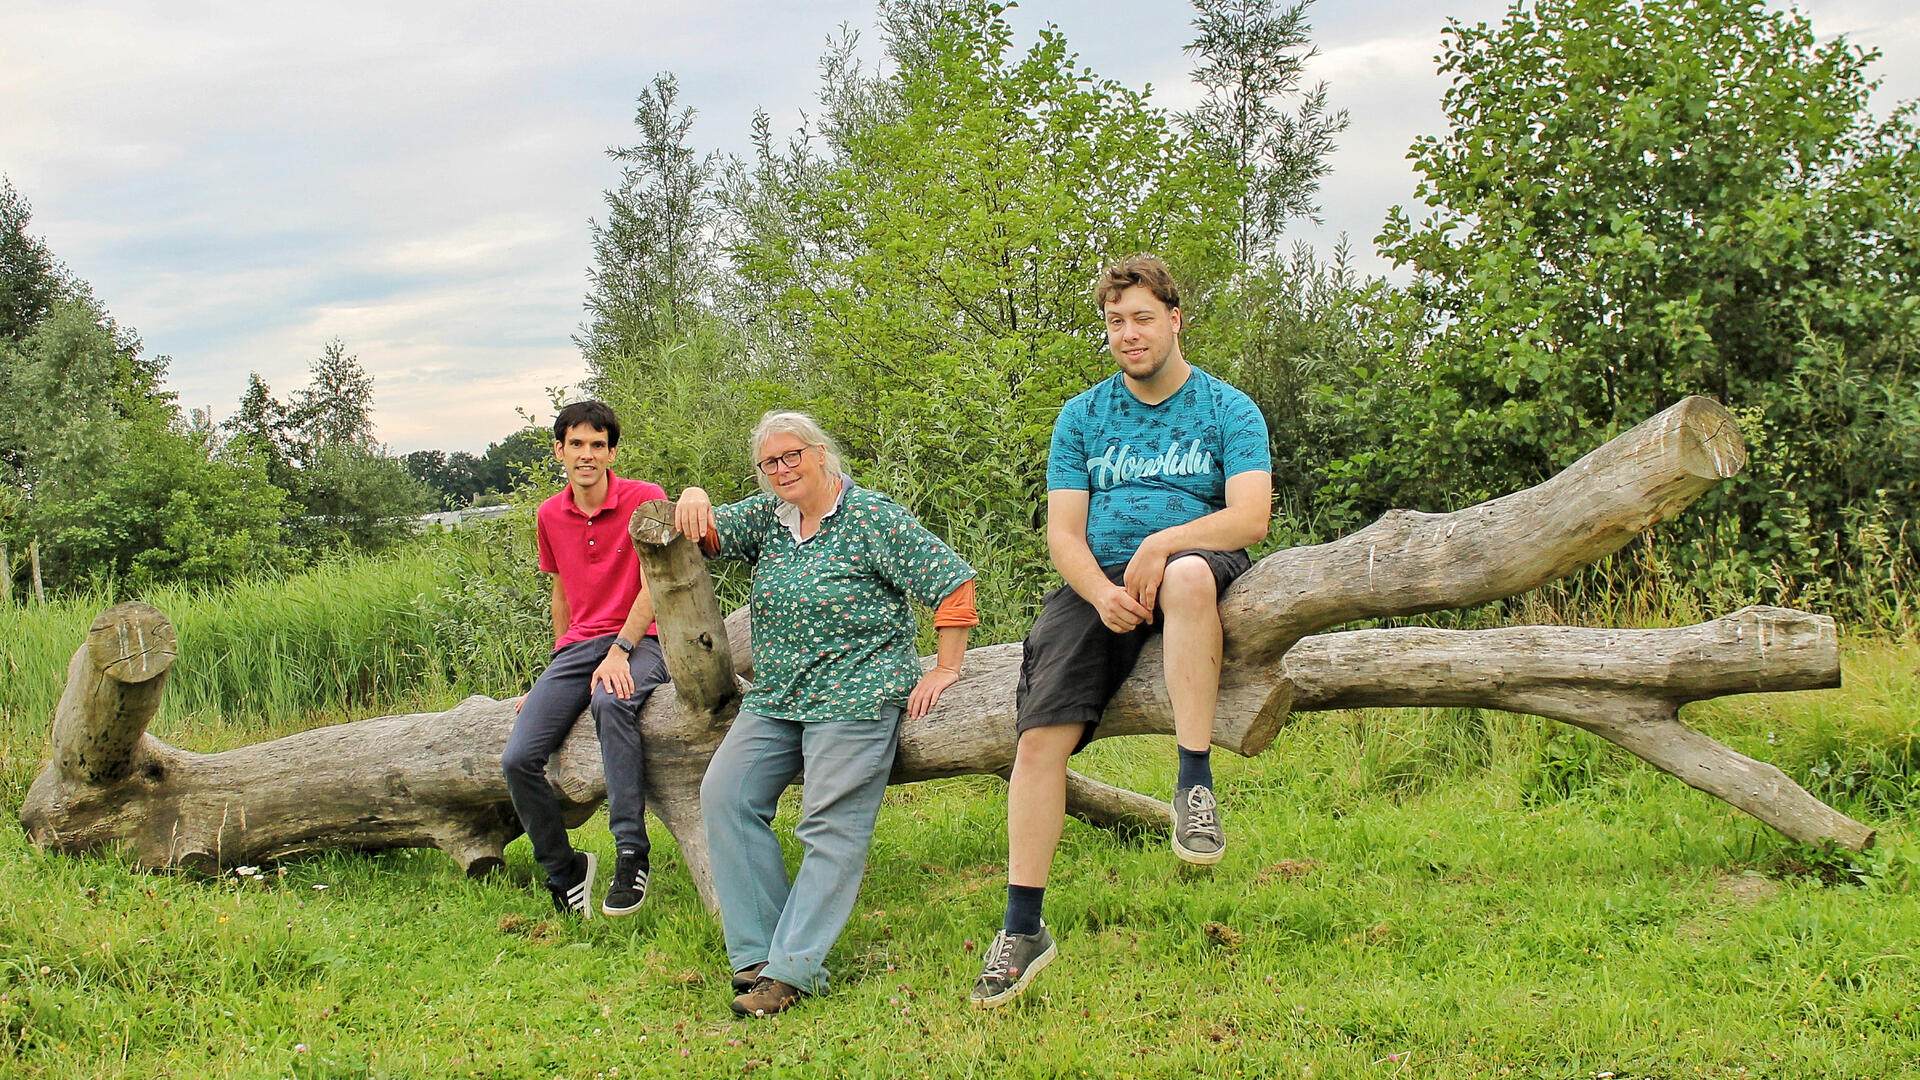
<point>416,628</point>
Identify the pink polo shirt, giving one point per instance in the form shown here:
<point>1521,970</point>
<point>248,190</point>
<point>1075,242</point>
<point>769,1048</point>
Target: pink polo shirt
<point>594,557</point>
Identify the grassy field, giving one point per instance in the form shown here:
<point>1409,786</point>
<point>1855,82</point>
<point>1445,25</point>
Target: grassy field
<point>1408,893</point>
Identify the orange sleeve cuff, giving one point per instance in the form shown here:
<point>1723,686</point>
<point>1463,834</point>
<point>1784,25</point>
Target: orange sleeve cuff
<point>710,543</point>
<point>957,609</point>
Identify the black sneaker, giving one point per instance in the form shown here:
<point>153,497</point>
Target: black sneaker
<point>1196,826</point>
<point>572,895</point>
<point>628,889</point>
<point>1012,962</point>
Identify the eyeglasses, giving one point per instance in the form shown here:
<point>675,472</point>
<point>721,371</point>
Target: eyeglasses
<point>791,459</point>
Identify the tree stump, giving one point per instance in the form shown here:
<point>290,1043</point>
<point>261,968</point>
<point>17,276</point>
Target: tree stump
<point>434,779</point>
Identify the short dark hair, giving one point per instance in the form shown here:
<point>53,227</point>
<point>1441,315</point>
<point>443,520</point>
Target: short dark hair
<point>1134,270</point>
<point>597,415</point>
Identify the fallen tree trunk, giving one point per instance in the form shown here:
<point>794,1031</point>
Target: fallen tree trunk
<point>434,779</point>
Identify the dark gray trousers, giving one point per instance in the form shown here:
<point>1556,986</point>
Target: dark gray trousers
<point>552,707</point>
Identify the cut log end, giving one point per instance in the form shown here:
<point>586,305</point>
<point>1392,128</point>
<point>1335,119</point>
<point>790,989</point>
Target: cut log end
<point>132,642</point>
<point>1267,722</point>
<point>1712,447</point>
<point>653,523</point>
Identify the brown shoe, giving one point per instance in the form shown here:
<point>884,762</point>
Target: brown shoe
<point>744,979</point>
<point>768,996</point>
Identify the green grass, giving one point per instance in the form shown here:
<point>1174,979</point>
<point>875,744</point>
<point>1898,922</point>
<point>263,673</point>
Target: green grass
<point>1408,893</point>
<point>1419,892</point>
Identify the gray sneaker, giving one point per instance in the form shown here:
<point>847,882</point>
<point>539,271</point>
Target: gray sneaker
<point>1012,962</point>
<point>1196,826</point>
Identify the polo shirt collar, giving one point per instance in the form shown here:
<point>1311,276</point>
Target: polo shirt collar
<point>613,498</point>
<point>789,514</point>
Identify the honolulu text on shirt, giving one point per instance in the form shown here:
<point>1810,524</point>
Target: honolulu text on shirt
<point>1120,464</point>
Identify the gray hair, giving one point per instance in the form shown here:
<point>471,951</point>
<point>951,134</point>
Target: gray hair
<point>800,426</point>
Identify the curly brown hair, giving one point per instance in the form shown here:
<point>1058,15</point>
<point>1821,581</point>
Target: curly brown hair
<point>1134,270</point>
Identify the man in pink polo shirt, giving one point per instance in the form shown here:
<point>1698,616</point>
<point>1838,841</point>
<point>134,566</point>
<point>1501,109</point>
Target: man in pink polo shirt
<point>606,660</point>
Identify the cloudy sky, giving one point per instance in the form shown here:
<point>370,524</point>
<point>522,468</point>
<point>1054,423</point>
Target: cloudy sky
<point>243,181</point>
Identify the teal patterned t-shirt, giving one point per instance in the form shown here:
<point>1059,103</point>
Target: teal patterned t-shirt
<point>1151,467</point>
<point>832,632</point>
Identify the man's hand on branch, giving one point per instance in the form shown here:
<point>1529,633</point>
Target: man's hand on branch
<point>1120,611</point>
<point>615,673</point>
<point>1144,573</point>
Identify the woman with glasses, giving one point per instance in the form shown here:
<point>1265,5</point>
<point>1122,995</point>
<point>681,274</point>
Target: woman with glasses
<point>835,670</point>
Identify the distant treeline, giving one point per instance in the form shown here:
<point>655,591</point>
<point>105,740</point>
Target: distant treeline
<point>120,491</point>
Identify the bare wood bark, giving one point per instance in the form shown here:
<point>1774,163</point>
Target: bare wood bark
<point>1409,562</point>
<point>33,556</point>
<point>6,576</point>
<point>1114,808</point>
<point>113,689</point>
<point>1626,686</point>
<point>693,637</point>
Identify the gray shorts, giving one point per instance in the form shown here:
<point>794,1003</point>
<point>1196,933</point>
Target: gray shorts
<point>1073,664</point>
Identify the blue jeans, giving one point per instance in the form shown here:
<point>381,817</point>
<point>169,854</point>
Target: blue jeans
<point>552,707</point>
<point>792,925</point>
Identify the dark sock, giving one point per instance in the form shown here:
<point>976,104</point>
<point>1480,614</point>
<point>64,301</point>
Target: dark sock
<point>1196,769</point>
<point>1023,908</point>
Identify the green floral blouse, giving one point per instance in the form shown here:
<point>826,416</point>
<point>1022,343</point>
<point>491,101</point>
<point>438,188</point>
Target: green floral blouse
<point>832,632</point>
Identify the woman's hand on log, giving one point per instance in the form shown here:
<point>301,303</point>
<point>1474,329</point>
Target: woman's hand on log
<point>927,694</point>
<point>693,514</point>
<point>519,703</point>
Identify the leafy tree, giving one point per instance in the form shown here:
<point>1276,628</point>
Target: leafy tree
<point>1639,201</point>
<point>30,278</point>
<point>263,428</point>
<point>522,457</point>
<point>460,478</point>
<point>430,468</point>
<point>113,483</point>
<point>651,258</point>
<point>1252,57</point>
<point>938,254</point>
<point>66,385</point>
<point>336,407</point>
<point>166,508</point>
<point>657,346</point>
<point>1297,335</point>
<point>354,496</point>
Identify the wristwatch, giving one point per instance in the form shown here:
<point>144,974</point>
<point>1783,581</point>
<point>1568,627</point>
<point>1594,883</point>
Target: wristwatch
<point>623,645</point>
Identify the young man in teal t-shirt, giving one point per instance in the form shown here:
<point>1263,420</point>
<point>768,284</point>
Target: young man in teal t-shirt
<point>1158,479</point>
